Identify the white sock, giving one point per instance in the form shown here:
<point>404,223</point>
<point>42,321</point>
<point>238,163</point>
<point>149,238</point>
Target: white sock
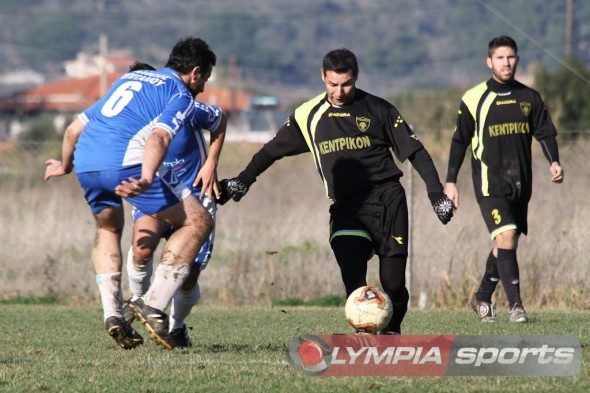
<point>182,304</point>
<point>109,286</point>
<point>167,280</point>
<point>139,279</point>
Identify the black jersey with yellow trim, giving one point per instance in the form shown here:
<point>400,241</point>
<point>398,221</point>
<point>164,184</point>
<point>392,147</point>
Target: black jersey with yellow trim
<point>498,122</point>
<point>351,145</point>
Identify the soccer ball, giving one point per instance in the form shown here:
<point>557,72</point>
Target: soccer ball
<point>368,309</point>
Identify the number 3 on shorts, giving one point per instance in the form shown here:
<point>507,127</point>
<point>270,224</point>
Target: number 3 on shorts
<point>497,217</point>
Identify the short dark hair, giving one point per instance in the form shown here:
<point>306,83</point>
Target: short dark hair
<point>189,53</point>
<point>138,66</point>
<point>502,40</point>
<point>340,61</point>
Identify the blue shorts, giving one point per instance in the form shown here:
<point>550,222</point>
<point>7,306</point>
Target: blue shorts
<point>204,255</point>
<point>99,189</point>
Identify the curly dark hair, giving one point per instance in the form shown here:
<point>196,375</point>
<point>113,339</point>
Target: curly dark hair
<point>189,53</point>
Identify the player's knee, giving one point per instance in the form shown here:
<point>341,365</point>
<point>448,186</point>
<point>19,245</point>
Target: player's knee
<point>142,257</point>
<point>507,240</point>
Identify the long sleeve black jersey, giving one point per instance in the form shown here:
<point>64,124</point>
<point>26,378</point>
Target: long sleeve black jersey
<point>351,145</point>
<point>499,121</point>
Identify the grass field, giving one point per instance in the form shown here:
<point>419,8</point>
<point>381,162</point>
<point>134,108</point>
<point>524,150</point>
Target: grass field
<point>56,348</point>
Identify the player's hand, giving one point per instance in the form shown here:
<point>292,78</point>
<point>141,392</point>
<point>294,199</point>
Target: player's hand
<point>54,168</point>
<point>443,207</point>
<point>132,188</point>
<point>453,194</point>
<point>556,173</point>
<point>231,189</point>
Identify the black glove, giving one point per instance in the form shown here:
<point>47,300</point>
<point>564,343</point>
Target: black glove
<point>231,189</point>
<point>443,207</point>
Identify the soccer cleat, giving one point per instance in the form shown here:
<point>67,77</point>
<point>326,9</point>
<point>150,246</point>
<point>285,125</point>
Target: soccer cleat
<point>154,320</point>
<point>518,315</point>
<point>180,337</point>
<point>485,310</point>
<point>128,315</point>
<point>122,333</point>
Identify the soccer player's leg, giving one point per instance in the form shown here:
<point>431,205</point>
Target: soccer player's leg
<point>189,293</point>
<point>392,272</point>
<point>352,251</point>
<point>391,238</point>
<point>501,220</point>
<point>171,202</point>
<point>481,302</point>
<point>147,232</point>
<point>183,301</point>
<point>192,225</point>
<point>506,243</point>
<point>108,212</point>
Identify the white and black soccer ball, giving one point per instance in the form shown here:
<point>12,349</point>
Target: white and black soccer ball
<point>368,309</point>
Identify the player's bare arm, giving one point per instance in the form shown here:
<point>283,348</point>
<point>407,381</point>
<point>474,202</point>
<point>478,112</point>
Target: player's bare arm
<point>155,150</point>
<point>66,165</point>
<point>208,172</point>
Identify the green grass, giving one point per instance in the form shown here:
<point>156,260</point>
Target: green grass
<point>55,348</point>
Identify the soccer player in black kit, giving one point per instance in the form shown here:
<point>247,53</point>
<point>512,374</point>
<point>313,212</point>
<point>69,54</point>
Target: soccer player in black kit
<point>350,134</point>
<point>498,119</point>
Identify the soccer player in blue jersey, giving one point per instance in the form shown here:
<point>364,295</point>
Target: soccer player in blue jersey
<point>197,168</point>
<point>126,137</point>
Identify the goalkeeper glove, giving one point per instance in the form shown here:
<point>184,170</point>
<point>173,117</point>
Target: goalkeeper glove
<point>231,189</point>
<point>443,207</point>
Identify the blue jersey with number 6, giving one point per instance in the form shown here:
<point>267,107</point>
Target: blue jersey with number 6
<point>118,125</point>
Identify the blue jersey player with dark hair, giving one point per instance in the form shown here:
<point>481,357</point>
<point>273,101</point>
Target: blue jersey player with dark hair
<point>195,166</point>
<point>126,137</point>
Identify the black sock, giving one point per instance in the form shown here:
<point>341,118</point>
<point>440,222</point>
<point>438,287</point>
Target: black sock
<point>392,273</point>
<point>489,280</point>
<point>352,253</point>
<point>510,276</point>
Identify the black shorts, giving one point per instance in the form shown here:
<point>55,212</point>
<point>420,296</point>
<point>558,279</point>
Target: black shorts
<point>381,217</point>
<point>501,215</point>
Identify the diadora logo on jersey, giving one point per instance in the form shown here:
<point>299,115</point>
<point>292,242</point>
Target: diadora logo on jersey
<point>398,121</point>
<point>398,239</point>
<point>525,107</point>
<point>363,123</point>
<point>505,102</point>
<point>338,114</point>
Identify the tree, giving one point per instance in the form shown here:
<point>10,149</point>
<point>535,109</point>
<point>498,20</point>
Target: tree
<point>568,96</point>
<point>52,39</point>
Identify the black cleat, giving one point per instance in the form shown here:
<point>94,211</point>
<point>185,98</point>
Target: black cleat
<point>154,320</point>
<point>485,310</point>
<point>180,337</point>
<point>128,315</point>
<point>122,333</point>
